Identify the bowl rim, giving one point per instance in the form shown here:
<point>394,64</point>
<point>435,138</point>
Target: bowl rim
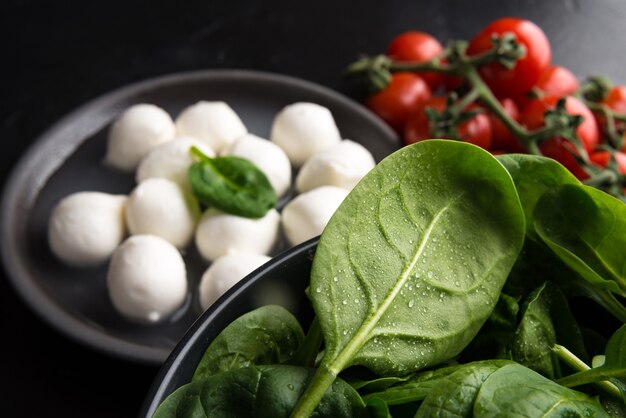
<point>162,384</point>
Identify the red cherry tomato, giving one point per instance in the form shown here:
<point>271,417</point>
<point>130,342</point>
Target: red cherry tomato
<point>502,138</point>
<point>394,103</point>
<point>417,47</point>
<point>476,130</point>
<point>616,99</point>
<point>557,81</point>
<point>559,148</point>
<point>518,80</point>
<point>602,158</point>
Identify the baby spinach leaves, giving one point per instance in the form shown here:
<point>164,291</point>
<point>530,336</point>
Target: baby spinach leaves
<point>262,391</point>
<point>412,263</point>
<point>267,335</point>
<point>231,184</point>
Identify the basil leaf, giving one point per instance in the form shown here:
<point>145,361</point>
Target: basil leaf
<point>231,184</point>
<point>515,390</point>
<point>533,175</point>
<point>412,263</point>
<point>267,335</point>
<point>264,391</point>
<point>586,228</point>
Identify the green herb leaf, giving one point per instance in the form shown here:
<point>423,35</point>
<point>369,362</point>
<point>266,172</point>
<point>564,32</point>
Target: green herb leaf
<point>264,391</point>
<point>267,335</point>
<point>586,228</point>
<point>412,263</point>
<point>231,184</point>
<point>515,390</point>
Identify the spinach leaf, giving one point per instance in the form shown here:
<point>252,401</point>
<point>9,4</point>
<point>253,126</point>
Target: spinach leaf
<point>377,408</point>
<point>586,228</point>
<point>455,395</point>
<point>231,184</point>
<point>267,335</point>
<point>533,175</point>
<point>264,391</point>
<point>515,390</point>
<point>546,320</point>
<point>614,364</point>
<point>412,263</point>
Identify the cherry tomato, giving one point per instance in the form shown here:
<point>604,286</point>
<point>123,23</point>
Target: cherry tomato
<point>502,138</point>
<point>616,99</point>
<point>518,80</point>
<point>405,92</point>
<point>602,158</point>
<point>476,130</point>
<point>557,81</point>
<point>559,148</point>
<point>418,47</point>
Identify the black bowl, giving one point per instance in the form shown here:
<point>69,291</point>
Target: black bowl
<point>281,281</point>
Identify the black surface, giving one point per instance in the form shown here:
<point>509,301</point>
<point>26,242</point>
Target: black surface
<point>56,55</point>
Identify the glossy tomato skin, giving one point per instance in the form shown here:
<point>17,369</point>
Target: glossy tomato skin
<point>516,81</point>
<point>476,131</point>
<point>417,47</point>
<point>405,93</point>
<point>554,81</point>
<point>502,138</point>
<point>559,148</point>
<point>601,158</point>
<point>616,99</point>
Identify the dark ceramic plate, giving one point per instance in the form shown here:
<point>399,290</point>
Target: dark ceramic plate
<point>68,158</point>
<point>289,272</point>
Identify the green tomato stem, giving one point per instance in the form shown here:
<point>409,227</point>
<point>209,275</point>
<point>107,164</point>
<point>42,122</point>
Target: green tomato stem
<point>585,373</point>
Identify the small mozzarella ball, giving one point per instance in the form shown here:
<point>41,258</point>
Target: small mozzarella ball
<point>147,279</point>
<point>268,157</point>
<point>341,165</point>
<point>160,207</point>
<point>214,123</point>
<point>171,161</point>
<point>225,272</point>
<point>307,214</point>
<point>302,129</point>
<point>135,133</point>
<point>86,227</point>
<point>220,233</point>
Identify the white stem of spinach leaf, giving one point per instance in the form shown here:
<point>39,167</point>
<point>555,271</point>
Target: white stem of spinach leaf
<point>575,380</point>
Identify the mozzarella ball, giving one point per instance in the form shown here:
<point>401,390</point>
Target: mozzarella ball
<point>302,129</point>
<point>341,165</point>
<point>86,227</point>
<point>135,133</point>
<point>147,279</point>
<point>214,123</point>
<point>225,272</point>
<point>160,207</point>
<point>171,161</point>
<point>307,214</point>
<point>220,233</point>
<point>268,157</point>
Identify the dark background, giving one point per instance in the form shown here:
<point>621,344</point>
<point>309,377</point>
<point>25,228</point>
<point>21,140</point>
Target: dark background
<point>56,55</point>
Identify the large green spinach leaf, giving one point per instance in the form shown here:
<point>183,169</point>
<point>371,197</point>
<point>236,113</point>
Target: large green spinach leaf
<point>517,391</point>
<point>533,176</point>
<point>586,228</point>
<point>267,335</point>
<point>412,263</point>
<point>259,392</point>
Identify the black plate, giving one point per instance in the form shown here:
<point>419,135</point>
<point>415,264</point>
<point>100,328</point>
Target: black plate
<point>288,272</point>
<point>68,158</point>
